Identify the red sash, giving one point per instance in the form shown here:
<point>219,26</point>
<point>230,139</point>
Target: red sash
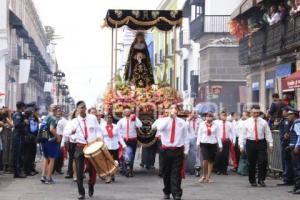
<point>109,129</point>
<point>208,126</point>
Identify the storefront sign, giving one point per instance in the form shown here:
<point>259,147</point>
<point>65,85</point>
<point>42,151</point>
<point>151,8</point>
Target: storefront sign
<point>255,86</point>
<point>270,83</point>
<point>284,70</point>
<point>291,82</point>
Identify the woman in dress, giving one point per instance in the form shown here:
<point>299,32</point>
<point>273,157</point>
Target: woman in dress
<point>209,141</point>
<point>138,70</point>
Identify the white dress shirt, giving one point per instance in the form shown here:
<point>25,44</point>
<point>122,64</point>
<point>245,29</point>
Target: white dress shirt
<point>61,125</point>
<point>112,143</point>
<point>274,18</point>
<point>214,138</point>
<point>154,127</point>
<point>238,127</point>
<point>192,126</point>
<point>228,128</point>
<point>94,130</point>
<point>68,137</point>
<point>133,125</point>
<point>164,126</point>
<point>248,132</point>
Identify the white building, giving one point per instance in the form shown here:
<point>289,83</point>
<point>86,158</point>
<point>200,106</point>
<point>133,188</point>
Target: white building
<point>22,36</point>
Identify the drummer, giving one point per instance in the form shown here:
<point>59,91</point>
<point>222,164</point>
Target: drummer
<point>85,129</point>
<point>127,127</point>
<point>112,139</point>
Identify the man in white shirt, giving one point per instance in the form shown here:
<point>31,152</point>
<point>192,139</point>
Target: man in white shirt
<point>127,127</point>
<point>226,134</point>
<point>61,124</point>
<point>175,145</point>
<point>194,159</point>
<point>275,15</point>
<point>256,137</point>
<point>86,129</point>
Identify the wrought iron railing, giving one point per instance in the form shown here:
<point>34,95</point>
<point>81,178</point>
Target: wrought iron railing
<point>209,24</point>
<point>271,41</point>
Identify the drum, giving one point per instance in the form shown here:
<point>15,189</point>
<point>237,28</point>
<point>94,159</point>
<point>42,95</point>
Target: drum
<point>101,159</point>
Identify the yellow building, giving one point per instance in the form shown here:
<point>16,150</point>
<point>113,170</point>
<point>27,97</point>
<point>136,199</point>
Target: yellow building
<point>164,51</point>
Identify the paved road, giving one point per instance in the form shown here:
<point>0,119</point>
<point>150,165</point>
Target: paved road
<point>144,186</point>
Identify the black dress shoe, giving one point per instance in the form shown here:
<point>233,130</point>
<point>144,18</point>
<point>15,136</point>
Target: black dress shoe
<point>30,174</point>
<point>20,176</point>
<point>285,184</point>
<point>177,198</point>
<point>262,183</point>
<point>253,184</point>
<point>81,197</point>
<point>60,172</point>
<point>68,176</point>
<point>166,196</point>
<point>91,190</point>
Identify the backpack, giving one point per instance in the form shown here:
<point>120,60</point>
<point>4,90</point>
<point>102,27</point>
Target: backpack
<point>33,126</point>
<point>44,132</point>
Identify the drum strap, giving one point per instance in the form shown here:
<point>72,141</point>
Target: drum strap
<point>82,131</point>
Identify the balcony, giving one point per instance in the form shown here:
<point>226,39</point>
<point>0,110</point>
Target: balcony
<point>206,24</point>
<point>184,39</point>
<point>272,41</point>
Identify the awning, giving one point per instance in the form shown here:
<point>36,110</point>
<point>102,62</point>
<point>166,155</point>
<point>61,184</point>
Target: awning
<point>243,7</point>
<point>164,20</point>
<point>14,20</point>
<point>291,82</point>
<point>2,94</point>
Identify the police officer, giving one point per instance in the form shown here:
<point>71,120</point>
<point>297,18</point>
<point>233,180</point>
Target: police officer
<point>284,127</point>
<point>20,124</point>
<point>293,116</point>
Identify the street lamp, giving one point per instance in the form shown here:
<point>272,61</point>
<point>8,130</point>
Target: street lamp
<point>58,76</point>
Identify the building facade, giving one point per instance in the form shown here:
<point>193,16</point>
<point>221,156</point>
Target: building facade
<point>25,38</point>
<point>218,72</point>
<point>271,54</point>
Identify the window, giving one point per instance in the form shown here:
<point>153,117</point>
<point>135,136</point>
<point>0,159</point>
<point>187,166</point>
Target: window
<point>185,75</point>
<point>196,11</point>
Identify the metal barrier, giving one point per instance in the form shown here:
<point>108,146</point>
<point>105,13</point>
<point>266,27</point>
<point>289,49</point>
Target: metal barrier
<point>275,157</point>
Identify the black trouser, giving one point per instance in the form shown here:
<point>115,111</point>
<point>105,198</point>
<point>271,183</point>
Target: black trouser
<point>172,166</point>
<point>114,154</point>
<point>80,164</point>
<point>59,161</point>
<point>237,151</point>
<point>71,151</point>
<point>257,155</point>
<point>287,167</point>
<point>18,151</point>
<point>148,155</point>
<point>29,157</point>
<point>296,167</point>
<point>160,157</point>
<point>222,158</point>
<point>131,144</point>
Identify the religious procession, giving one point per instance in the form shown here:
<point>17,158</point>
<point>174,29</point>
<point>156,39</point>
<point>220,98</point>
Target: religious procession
<point>152,134</point>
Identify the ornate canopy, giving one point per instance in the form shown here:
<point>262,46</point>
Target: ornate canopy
<point>164,20</point>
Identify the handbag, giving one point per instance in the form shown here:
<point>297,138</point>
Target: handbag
<point>243,165</point>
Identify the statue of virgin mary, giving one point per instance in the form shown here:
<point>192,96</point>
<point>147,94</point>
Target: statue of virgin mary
<point>138,70</point>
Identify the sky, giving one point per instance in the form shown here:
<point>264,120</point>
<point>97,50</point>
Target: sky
<point>83,53</point>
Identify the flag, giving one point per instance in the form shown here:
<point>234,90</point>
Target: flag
<point>48,87</point>
<point>24,70</point>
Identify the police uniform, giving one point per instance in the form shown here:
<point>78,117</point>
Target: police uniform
<point>295,143</point>
<point>18,142</point>
<point>284,128</point>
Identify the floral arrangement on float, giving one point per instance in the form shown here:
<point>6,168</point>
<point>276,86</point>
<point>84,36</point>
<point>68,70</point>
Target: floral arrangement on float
<point>146,99</point>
